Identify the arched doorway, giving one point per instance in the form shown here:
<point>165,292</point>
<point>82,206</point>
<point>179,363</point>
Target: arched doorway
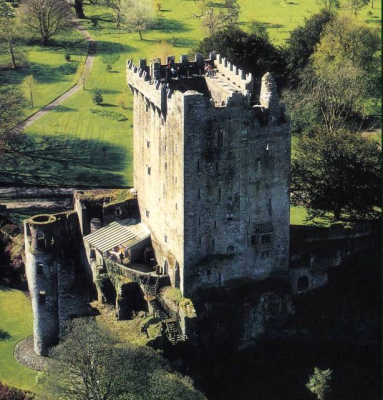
<point>166,267</point>
<point>303,283</point>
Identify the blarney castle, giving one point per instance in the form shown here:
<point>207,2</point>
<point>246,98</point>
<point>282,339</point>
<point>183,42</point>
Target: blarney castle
<point>209,210</point>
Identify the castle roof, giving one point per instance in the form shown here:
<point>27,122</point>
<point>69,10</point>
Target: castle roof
<point>118,233</point>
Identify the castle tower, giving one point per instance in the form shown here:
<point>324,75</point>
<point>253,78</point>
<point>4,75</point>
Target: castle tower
<point>56,279</point>
<point>42,282</point>
<point>211,170</point>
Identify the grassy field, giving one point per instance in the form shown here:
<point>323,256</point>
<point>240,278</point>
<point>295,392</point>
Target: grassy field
<point>53,74</point>
<point>95,142</point>
<point>16,321</point>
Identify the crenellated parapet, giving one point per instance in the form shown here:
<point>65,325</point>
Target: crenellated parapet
<point>234,74</point>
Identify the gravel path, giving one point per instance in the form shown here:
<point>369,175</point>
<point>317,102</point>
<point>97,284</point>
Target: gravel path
<point>87,68</point>
<point>26,356</point>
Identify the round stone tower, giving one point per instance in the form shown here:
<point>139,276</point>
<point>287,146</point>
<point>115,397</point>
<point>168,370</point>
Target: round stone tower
<point>41,271</point>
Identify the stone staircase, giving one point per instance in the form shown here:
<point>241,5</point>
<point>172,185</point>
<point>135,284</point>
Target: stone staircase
<point>173,329</point>
<point>152,285</point>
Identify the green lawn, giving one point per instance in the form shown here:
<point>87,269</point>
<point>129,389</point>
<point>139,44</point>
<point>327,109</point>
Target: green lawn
<point>53,74</point>
<point>94,148</point>
<point>16,320</point>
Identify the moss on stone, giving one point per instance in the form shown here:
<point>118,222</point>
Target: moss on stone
<point>109,196</point>
<point>42,219</point>
<point>175,295</point>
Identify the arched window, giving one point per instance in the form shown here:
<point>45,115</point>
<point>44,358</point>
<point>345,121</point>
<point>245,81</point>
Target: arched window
<point>166,267</point>
<point>303,283</point>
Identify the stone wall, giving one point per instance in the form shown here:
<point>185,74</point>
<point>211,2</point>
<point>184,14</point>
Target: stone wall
<point>314,251</point>
<point>212,174</point>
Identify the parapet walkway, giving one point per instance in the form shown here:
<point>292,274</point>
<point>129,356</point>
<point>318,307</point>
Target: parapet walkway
<point>74,89</point>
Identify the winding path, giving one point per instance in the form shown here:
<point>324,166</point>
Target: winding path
<point>74,89</point>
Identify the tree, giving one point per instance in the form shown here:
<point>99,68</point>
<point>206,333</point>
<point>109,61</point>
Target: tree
<point>338,174</point>
<point>79,9</point>
<point>355,6</point>
<point>29,86</point>
<point>121,101</point>
<point>11,111</point>
<point>137,16</point>
<point>117,7</point>
<point>251,52</point>
<point>97,97</point>
<point>90,363</point>
<point>7,29</point>
<point>46,18</point>
<point>342,75</point>
<point>212,21</point>
<point>319,383</point>
<point>335,93</point>
<point>344,39</point>
<point>302,43</point>
<point>328,5</point>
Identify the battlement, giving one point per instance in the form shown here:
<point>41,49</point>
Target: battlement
<point>235,75</point>
<point>221,83</point>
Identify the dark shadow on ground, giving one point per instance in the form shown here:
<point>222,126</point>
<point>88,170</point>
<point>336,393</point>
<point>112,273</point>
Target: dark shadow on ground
<point>172,25</point>
<point>65,162</point>
<point>106,48</point>
<point>4,335</point>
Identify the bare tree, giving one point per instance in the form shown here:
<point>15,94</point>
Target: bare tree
<point>355,6</point>
<point>138,16</point>
<point>46,18</point>
<point>212,21</point>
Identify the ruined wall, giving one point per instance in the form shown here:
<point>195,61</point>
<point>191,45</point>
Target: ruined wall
<point>315,251</point>
<point>56,281</point>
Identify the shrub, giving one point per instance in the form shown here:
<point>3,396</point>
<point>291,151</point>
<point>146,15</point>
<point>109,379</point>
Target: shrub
<point>7,393</point>
<point>97,97</point>
<point>67,57</point>
<point>108,67</point>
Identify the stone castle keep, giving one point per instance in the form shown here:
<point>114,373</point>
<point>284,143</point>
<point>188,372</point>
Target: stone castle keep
<point>209,210</point>
<point>211,170</point>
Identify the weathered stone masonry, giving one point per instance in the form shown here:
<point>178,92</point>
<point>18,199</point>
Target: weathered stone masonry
<point>56,278</point>
<point>211,169</point>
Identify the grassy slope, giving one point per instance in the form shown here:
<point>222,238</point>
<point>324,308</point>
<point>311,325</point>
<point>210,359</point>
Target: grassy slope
<point>53,74</point>
<point>16,320</point>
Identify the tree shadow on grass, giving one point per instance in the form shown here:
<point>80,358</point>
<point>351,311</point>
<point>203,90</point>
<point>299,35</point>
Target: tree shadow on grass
<point>172,25</point>
<point>4,335</point>
<point>43,73</point>
<point>105,48</point>
<point>61,108</point>
<point>63,161</point>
